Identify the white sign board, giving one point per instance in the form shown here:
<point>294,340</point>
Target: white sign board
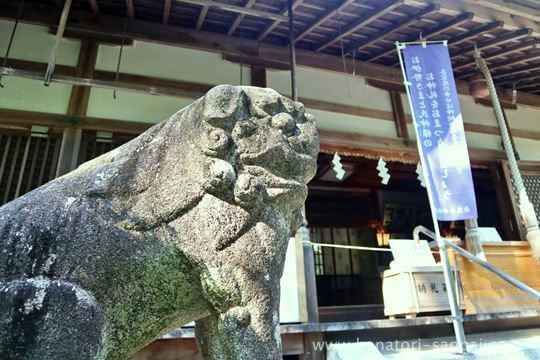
<point>408,252</point>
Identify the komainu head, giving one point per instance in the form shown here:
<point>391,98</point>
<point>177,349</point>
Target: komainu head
<point>244,145</point>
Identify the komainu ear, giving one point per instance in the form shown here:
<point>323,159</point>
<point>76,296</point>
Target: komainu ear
<point>223,105</point>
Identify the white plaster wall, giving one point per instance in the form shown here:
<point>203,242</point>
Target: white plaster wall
<point>525,118</point>
<point>34,43</point>
<point>169,62</point>
<point>529,150</point>
<point>330,87</point>
<point>132,106</point>
<point>353,124</point>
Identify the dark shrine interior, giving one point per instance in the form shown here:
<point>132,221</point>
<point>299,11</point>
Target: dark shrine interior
<point>354,210</point>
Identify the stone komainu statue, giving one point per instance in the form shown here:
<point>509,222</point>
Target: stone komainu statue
<point>189,221</point>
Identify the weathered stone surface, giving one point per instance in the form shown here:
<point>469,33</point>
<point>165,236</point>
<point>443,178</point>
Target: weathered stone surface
<point>189,221</point>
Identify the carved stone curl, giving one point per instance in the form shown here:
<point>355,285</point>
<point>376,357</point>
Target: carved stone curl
<point>189,221</point>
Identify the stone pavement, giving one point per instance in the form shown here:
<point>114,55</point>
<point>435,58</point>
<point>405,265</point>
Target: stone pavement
<point>503,345</point>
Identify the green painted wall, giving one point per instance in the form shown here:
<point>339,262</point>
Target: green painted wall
<point>34,43</point>
<point>133,106</point>
<point>171,62</point>
<point>32,95</point>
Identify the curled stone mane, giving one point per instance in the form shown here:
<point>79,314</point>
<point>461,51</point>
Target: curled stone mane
<point>187,222</point>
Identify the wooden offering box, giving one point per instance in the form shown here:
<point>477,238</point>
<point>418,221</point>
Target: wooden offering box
<point>411,290</point>
<point>486,292</point>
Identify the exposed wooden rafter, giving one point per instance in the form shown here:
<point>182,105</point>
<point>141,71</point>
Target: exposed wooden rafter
<point>237,9</point>
<point>284,11</point>
<point>130,10</point>
<point>521,70</point>
<point>327,15</point>
<point>84,24</point>
<point>201,18</point>
<point>436,30</point>
<point>166,11</point>
<point>468,35</point>
<point>498,53</point>
<point>520,78</point>
<point>361,21</point>
<point>359,45</point>
<point>94,6</point>
<point>512,61</point>
<point>497,41</point>
<point>238,19</point>
<point>529,87</point>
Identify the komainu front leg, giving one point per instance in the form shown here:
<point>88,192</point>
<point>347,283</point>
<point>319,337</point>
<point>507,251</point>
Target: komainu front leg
<point>42,318</point>
<point>244,333</point>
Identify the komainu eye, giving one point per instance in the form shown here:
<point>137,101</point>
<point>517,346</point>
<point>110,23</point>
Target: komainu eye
<point>244,128</point>
<point>284,122</point>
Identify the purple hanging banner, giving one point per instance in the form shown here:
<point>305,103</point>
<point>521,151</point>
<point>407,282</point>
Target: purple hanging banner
<point>440,131</point>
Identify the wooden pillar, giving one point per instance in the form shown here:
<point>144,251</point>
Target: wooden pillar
<point>78,105</point>
<point>258,76</point>
<point>399,114</point>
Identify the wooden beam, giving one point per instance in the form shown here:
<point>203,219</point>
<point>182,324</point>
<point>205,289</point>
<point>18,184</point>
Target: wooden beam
<point>327,15</point>
<point>362,20</point>
<point>166,11</point>
<point>436,30</point>
<point>238,19</point>
<point>60,121</point>
<point>360,44</point>
<point>257,61</point>
<point>78,104</point>
<point>391,149</point>
<point>130,10</point>
<point>238,9</point>
<point>94,6</point>
<point>85,23</point>
<point>202,16</point>
<point>399,115</point>
<point>80,95</point>
<point>284,11</point>
<point>487,102</point>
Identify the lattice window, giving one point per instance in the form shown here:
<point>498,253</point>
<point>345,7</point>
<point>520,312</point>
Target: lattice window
<point>94,144</point>
<point>532,186</point>
<point>27,162</point>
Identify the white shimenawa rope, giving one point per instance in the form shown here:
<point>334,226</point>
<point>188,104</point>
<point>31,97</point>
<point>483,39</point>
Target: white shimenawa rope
<point>525,206</point>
